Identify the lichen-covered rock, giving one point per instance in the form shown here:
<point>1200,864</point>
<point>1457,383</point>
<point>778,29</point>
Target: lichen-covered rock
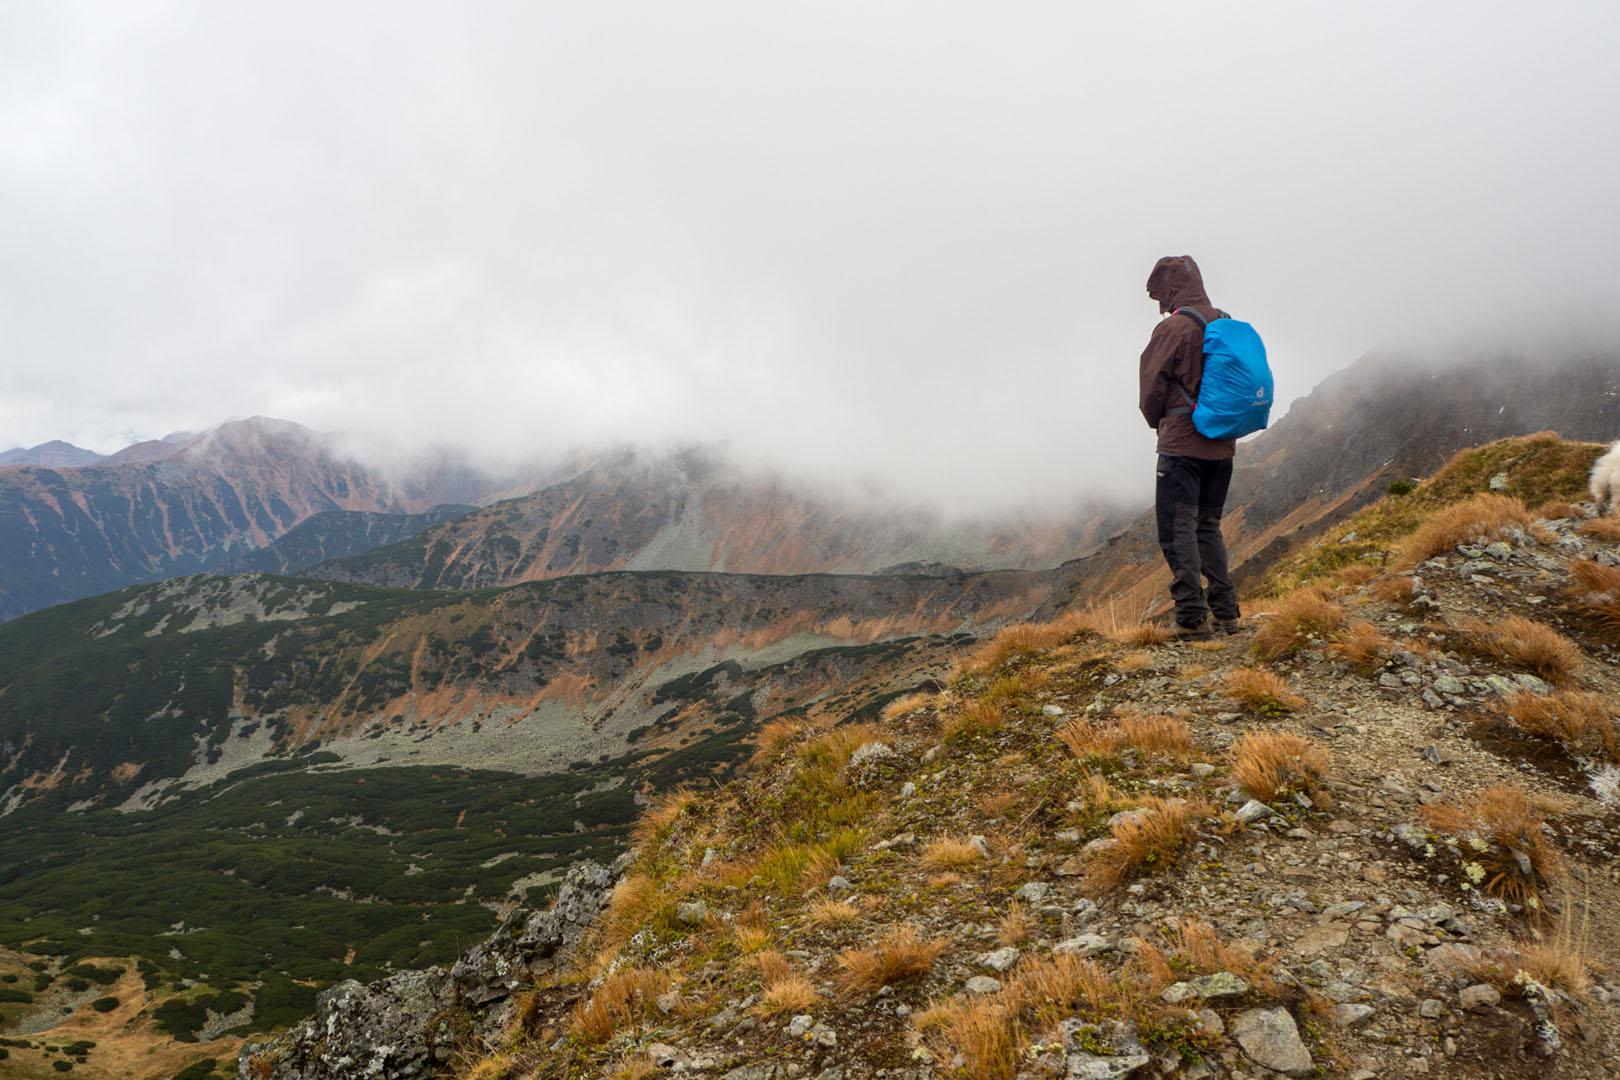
<point>398,1027</point>
<point>410,1024</point>
<point>530,941</point>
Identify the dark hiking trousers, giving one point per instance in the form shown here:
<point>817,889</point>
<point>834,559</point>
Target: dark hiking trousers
<point>1188,500</point>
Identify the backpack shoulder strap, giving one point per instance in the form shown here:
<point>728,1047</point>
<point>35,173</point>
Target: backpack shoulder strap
<point>1186,395</point>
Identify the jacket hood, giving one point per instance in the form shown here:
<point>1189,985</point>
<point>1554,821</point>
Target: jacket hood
<point>1175,283</point>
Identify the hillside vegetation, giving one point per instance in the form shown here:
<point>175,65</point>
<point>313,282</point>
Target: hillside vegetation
<point>1372,834</point>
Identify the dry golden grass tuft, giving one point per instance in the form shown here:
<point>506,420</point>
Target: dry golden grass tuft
<point>749,931</point>
<point>785,990</point>
<point>1527,644</point>
<point>1297,619</point>
<point>1024,639</point>
<point>1150,965</point>
<point>1015,927</point>
<point>1396,589</point>
<point>1271,764</point>
<point>634,1068</point>
<point>1505,852</point>
<point>1355,575</point>
<point>977,1030</point>
<point>1145,634</point>
<point>619,1002</point>
<point>1605,530</point>
<point>1148,839</point>
<point>951,853</point>
<point>990,1034</point>
<point>770,739</point>
<point>1559,962</point>
<point>494,1066</point>
<point>1470,522</point>
<point>1362,646</point>
<point>825,911</point>
<point>973,718</point>
<point>1140,660</point>
<point>899,955</point>
<point>1196,942</point>
<point>1552,511</point>
<point>631,906</point>
<point>1153,734</point>
<point>1583,723</point>
<point>655,822</point>
<point>1261,691</point>
<point>1597,591</point>
<point>909,704</point>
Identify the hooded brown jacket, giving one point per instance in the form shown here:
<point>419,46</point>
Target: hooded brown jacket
<point>1175,353</point>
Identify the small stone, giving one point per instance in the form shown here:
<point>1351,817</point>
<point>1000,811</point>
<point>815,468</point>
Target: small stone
<point>1343,910</point>
<point>1222,984</point>
<point>1499,551</point>
<point>1001,959</point>
<point>664,1056</point>
<point>1084,910</point>
<point>1271,1038</point>
<point>1450,684</point>
<point>1532,684</point>
<point>980,844</point>
<point>1480,996</point>
<point>1252,811</point>
<point>1085,945</point>
<point>908,789</point>
<point>1438,755</point>
<point>1502,685</point>
<point>982,984</point>
<point>695,913</point>
<point>1084,1066</point>
<point>1073,866</point>
<point>1351,1015</point>
<point>1202,769</point>
<point>1431,1008</point>
<point>1210,1022</point>
<point>1033,892</point>
<point>1499,482</point>
<point>837,883</point>
<point>1051,710</point>
<point>800,1026</point>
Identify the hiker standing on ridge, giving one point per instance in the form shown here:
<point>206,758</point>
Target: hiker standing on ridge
<point>1193,471</point>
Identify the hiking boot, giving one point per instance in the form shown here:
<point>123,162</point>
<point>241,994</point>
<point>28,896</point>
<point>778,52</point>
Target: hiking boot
<point>1228,626</point>
<point>1201,632</point>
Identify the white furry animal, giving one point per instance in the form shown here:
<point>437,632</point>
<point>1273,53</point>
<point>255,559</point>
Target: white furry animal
<point>1606,481</point>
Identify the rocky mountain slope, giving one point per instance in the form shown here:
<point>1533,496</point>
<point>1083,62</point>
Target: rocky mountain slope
<point>1370,835</point>
<point>172,508</point>
<point>690,511</point>
<point>336,534</point>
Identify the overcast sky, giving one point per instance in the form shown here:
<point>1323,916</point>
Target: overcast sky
<point>903,242</point>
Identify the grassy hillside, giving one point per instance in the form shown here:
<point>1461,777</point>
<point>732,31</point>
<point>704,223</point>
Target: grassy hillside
<point>1373,833</point>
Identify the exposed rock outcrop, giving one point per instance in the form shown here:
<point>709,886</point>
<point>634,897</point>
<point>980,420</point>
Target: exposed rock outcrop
<point>412,1023</point>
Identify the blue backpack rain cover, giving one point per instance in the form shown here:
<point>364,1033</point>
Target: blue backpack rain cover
<point>1236,394</point>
